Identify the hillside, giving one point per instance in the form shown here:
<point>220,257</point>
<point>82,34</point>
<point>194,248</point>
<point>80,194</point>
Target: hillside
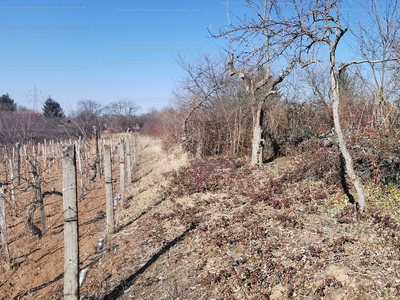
<point>229,231</point>
<point>219,229</point>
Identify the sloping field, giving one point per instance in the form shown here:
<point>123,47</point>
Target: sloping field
<point>220,229</point>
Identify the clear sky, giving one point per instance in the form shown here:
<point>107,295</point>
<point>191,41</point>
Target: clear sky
<point>103,50</point>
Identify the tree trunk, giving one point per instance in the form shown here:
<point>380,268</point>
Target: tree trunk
<point>256,155</point>
<point>379,102</point>
<point>355,179</point>
<point>257,147</point>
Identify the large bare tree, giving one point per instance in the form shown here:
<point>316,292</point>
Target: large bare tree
<point>264,39</point>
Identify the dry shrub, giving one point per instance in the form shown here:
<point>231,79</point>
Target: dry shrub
<point>376,154</point>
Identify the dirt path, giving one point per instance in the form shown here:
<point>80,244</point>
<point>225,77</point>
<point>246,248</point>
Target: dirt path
<point>138,242</point>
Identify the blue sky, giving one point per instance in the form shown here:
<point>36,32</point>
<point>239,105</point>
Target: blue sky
<point>105,50</point>
<point>101,50</point>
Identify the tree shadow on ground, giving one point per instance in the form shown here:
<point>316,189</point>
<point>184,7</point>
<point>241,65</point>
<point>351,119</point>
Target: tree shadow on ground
<point>138,217</point>
<point>128,282</point>
<point>42,286</point>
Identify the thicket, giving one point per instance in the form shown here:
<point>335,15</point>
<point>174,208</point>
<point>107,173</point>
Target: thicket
<point>222,125</point>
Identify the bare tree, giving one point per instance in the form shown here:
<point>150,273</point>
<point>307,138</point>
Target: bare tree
<point>296,30</point>
<point>123,107</point>
<point>260,41</point>
<point>204,80</point>
<point>90,106</point>
<point>122,114</point>
<point>382,43</point>
<point>89,113</point>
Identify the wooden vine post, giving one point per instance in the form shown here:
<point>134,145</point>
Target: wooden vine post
<point>122,169</point>
<point>135,149</point>
<point>12,180</point>
<point>128,157</point>
<point>44,152</point>
<point>39,196</point>
<point>109,190</point>
<point>3,225</point>
<point>96,136</point>
<point>18,156</point>
<point>71,233</point>
<point>4,158</point>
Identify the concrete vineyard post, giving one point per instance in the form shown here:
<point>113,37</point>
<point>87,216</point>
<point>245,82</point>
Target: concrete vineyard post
<point>71,233</point>
<point>12,180</point>
<point>128,157</point>
<point>3,225</point>
<point>109,190</point>
<point>122,169</point>
<point>80,168</point>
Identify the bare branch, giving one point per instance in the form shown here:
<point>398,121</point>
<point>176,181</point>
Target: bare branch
<point>205,98</point>
<point>344,66</point>
<point>248,82</point>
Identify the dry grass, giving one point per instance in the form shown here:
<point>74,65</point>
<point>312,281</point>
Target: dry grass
<point>237,241</point>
